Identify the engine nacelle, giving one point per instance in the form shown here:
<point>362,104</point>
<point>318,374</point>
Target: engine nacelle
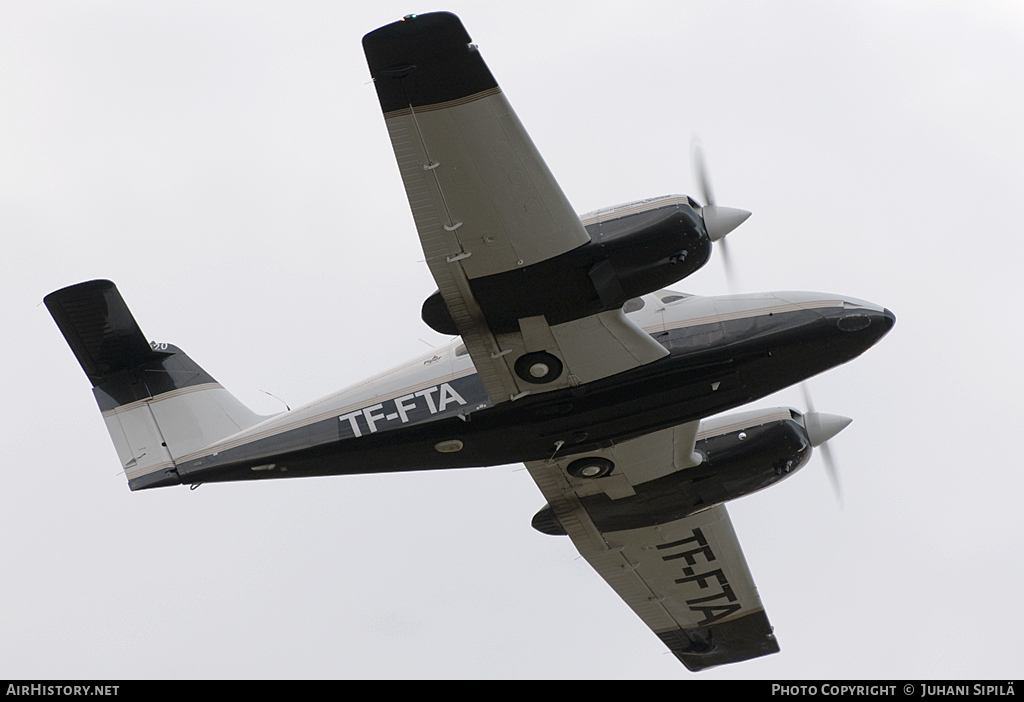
<point>743,453</point>
<point>633,250</point>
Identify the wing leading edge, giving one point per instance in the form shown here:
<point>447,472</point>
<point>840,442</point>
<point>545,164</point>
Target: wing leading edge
<point>686,579</point>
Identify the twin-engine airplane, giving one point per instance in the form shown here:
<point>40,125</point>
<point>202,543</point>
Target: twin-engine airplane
<point>572,358</point>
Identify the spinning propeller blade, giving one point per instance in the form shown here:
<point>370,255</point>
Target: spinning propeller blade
<point>718,220</point>
<point>820,428</point>
<point>701,171</point>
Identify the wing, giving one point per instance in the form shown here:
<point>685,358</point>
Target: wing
<point>685,578</point>
<point>485,204</point>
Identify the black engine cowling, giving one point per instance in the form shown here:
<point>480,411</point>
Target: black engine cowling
<point>735,464</point>
<point>625,258</point>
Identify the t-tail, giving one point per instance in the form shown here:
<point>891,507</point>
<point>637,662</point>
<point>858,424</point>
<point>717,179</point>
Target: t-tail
<point>158,404</point>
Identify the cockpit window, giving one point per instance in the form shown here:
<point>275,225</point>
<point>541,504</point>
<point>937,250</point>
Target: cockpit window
<point>460,350</point>
<point>633,305</point>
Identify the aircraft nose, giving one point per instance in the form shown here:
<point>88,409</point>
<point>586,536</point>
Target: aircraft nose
<point>890,319</point>
<point>858,316</point>
<point>883,321</point>
<point>860,326</point>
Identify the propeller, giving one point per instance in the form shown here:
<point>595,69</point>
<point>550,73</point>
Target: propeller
<point>718,220</point>
<point>820,428</point>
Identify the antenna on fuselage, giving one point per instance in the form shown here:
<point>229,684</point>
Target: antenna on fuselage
<point>278,399</point>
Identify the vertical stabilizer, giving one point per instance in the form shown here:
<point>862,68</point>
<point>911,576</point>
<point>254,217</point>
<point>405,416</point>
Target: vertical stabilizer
<point>158,404</point>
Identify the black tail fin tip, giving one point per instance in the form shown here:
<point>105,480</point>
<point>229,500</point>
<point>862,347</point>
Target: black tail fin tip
<point>100,329</point>
<point>113,351</point>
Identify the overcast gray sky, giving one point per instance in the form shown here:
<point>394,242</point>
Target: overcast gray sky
<point>227,165</point>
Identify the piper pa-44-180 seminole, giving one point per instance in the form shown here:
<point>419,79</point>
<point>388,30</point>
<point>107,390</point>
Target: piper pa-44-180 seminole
<point>571,356</point>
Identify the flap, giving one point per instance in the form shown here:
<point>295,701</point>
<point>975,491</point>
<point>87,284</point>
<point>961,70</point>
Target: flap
<point>575,352</point>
